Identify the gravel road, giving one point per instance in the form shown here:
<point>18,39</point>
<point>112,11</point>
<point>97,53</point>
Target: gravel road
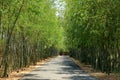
<point>59,68</point>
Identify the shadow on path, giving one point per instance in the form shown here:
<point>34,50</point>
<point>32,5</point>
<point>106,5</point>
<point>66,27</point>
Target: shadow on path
<point>59,68</point>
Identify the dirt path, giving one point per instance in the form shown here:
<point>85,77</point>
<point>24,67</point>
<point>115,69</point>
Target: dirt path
<point>59,68</point>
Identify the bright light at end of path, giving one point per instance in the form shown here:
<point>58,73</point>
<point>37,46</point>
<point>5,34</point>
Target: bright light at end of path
<point>60,6</point>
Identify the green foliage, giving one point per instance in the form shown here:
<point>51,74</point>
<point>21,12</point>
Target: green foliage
<point>30,31</point>
<point>92,28</point>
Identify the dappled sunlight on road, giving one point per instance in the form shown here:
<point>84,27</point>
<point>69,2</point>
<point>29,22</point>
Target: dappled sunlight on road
<point>59,68</point>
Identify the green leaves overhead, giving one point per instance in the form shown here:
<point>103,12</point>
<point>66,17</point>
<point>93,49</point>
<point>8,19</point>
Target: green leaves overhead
<point>30,32</point>
<point>91,27</point>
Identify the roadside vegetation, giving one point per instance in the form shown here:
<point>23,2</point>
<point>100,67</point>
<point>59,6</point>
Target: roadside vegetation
<point>33,30</point>
<point>29,32</point>
<point>93,33</point>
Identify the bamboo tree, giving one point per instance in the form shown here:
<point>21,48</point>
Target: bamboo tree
<point>91,29</point>
<point>31,33</point>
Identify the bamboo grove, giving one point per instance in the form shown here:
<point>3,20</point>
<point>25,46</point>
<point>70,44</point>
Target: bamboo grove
<point>93,32</point>
<point>29,32</point>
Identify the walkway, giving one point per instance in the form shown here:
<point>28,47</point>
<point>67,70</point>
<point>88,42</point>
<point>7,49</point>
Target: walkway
<point>59,68</point>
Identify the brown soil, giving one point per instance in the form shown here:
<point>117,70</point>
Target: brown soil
<point>16,75</point>
<point>97,74</point>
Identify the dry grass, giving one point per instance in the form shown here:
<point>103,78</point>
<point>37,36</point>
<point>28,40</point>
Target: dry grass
<point>97,74</point>
<point>16,75</point>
